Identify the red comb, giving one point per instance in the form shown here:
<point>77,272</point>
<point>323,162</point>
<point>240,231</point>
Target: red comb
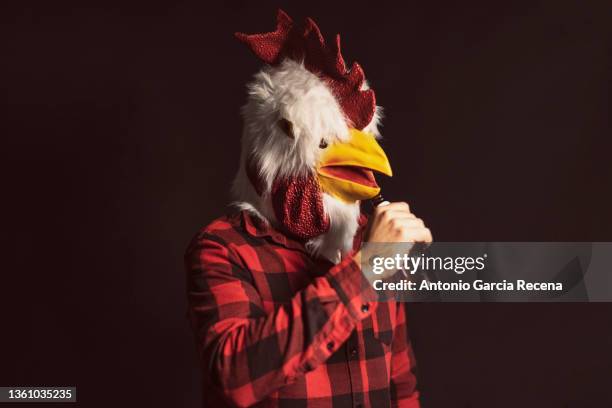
<point>307,45</point>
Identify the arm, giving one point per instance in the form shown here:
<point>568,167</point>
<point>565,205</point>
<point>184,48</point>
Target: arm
<point>249,353</point>
<point>403,380</point>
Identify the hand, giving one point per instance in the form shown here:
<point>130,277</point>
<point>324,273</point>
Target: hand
<point>396,229</point>
<point>394,223</point>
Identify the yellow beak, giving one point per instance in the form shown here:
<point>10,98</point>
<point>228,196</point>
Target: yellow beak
<point>345,169</point>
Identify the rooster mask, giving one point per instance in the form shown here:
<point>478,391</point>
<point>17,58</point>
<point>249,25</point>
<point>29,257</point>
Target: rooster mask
<point>309,145</point>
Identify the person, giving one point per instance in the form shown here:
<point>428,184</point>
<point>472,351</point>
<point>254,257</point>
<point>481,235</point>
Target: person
<point>281,311</point>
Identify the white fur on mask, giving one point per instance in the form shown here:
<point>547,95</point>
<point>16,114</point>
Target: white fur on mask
<point>292,92</point>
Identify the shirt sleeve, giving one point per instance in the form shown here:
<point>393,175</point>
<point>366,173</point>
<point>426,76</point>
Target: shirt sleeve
<point>403,379</point>
<point>248,353</point>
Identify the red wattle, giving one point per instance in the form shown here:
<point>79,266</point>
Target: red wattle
<point>298,206</point>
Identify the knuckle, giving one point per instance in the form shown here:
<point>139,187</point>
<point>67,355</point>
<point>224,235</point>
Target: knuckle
<point>381,209</point>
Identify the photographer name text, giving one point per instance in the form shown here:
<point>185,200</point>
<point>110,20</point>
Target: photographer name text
<point>478,285</point>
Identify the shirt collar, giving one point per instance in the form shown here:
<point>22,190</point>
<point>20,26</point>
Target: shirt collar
<point>260,228</point>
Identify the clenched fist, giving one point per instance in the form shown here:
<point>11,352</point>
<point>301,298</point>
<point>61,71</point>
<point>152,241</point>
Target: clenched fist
<point>392,230</point>
<point>394,222</point>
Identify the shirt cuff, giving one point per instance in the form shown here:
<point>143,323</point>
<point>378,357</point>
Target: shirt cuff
<point>353,289</point>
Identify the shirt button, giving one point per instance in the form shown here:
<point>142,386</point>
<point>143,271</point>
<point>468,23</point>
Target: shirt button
<point>365,307</point>
<point>330,345</point>
<point>353,352</point>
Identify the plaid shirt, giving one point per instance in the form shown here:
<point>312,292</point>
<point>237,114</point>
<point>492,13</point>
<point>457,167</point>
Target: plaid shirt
<point>275,327</point>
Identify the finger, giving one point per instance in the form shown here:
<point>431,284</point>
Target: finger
<point>390,217</point>
<point>418,235</point>
<point>399,205</point>
<point>402,223</point>
<point>413,222</point>
<point>399,214</point>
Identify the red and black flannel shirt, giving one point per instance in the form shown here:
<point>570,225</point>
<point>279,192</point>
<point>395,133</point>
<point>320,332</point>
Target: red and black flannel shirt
<point>275,327</point>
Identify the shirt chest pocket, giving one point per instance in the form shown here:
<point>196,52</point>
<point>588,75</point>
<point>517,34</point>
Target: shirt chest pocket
<point>383,322</point>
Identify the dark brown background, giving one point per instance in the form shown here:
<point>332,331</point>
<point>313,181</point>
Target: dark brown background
<point>121,128</point>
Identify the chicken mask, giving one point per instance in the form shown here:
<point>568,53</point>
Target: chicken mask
<point>309,145</point>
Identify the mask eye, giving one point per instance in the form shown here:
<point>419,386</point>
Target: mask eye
<point>286,127</point>
<point>322,144</point>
